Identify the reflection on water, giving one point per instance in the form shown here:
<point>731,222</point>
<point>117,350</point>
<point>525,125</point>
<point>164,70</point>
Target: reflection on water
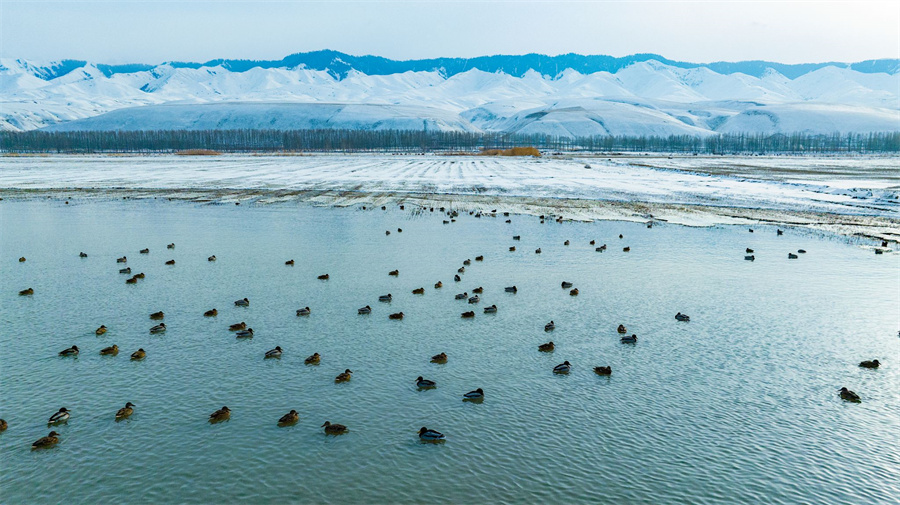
<point>738,405</point>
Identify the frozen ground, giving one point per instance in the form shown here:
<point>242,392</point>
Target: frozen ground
<point>849,196</point>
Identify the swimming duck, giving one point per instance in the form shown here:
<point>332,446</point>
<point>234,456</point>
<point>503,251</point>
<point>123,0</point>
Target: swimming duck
<point>274,353</point>
<point>461,270</point>
<point>82,255</point>
<point>801,251</point>
<point>424,383</point>
<point>478,394</point>
<point>566,284</point>
<point>573,292</point>
<point>592,242</point>
<point>626,249</point>
<point>622,329</point>
<point>344,376</point>
<point>159,328</point>
<point>289,418</point>
<point>138,355</point>
<point>110,351</point>
<point>248,333</point>
<point>125,411</point>
<point>237,326</point>
<point>394,273</point>
<point>439,358</point>
<point>26,292</point>
<point>313,360</point>
<point>60,416</point>
<point>602,248</point>
<point>620,236</point>
<point>517,237</point>
<point>566,242</point>
<point>468,315</point>
<point>131,280</point>
<point>537,251</point>
<point>629,339</point>
<point>170,262</point>
<point>48,441</point>
<point>462,296</point>
<point>490,310</point>
<point>242,303</point>
<point>211,258</point>
<point>779,232</point>
<point>211,313</point>
<point>565,367</point>
<point>171,246</point>
<point>481,258</point>
<point>751,230</point>
<point>879,251</point>
<point>145,251</point>
<point>419,291</point>
<point>139,276</point>
<point>334,429</point>
<point>430,435</point>
<point>3,425</point>
<point>22,259</point>
<point>603,370</point>
<point>749,251</point>
<point>750,258</point>
<point>512,248</point>
<point>323,277</point>
<point>101,330</point>
<point>396,315</point>
<point>792,256</point>
<point>222,414</point>
<point>457,278</point>
<point>71,351</point>
<point>123,259</point>
<point>848,395</point>
<point>438,285</point>
<point>511,289</point>
<point>125,270</point>
<point>478,290</point>
<point>364,310</point>
<point>548,347</point>
<point>467,262</point>
<point>303,312</point>
<point>870,364</point>
<point>385,298</point>
<point>682,317</point>
<point>550,326</point>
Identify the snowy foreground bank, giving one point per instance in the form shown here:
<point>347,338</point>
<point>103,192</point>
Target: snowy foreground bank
<point>849,196</point>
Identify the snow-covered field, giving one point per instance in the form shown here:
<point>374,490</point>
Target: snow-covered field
<point>845,195</point>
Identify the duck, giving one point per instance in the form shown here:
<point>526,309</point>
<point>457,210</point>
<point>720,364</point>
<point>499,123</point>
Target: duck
<point>303,312</point>
<point>792,256</point>
<point>323,277</point>
<point>481,258</point>
<point>438,285</point>
<point>138,355</point>
<point>779,233</point>
<point>467,262</point>
<point>622,329</point>
<point>396,315</point>
<point>242,303</point>
<point>593,242</point>
<point>682,317</point>
<point>550,326</point>
<point>474,299</point>
<point>71,351</point>
<point>48,441</point>
<point>457,278</point>
<point>170,262</point>
<point>548,347</point>
<point>870,364</point>
<point>517,237</point>
<point>750,257</point>
<point>751,230</point>
<point>394,273</point>
<point>749,251</point>
<point>848,395</point>
<point>461,270</point>
<point>22,259</point>
<point>512,248</point>
<point>564,367</point>
<point>879,251</point>
<point>566,284</point>
<point>801,251</point>
<point>573,292</point>
<point>101,330</point>
<point>334,429</point>
<point>248,333</point>
<point>478,290</point>
<point>211,313</point>
<point>82,255</point>
<point>139,276</point>
<point>313,360</point>
<point>424,383</point>
<point>211,258</point>
<point>626,249</point>
<point>418,291</point>
<point>26,292</point>
<point>123,259</point>
<point>61,416</point>
<point>131,280</point>
<point>439,358</point>
<point>385,298</point>
<point>159,328</point>
<point>490,310</point>
<point>238,326</point>
<point>629,339</point>
<point>126,270</point>
<point>566,242</point>
<point>220,415</point>
<point>620,236</point>
<point>364,310</point>
<point>288,419</point>
<point>468,315</point>
<point>3,425</point>
<point>145,251</point>
<point>289,263</point>
<point>478,394</point>
<point>125,411</point>
<point>112,350</point>
<point>171,246</point>
<point>274,353</point>
<point>462,296</point>
<point>603,370</point>
<point>537,251</point>
<point>602,248</point>
<point>430,435</point>
<point>511,289</point>
<point>344,376</point>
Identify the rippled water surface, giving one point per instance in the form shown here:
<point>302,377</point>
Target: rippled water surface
<point>739,405</point>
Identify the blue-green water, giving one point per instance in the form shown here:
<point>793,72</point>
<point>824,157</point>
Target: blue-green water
<point>739,405</point>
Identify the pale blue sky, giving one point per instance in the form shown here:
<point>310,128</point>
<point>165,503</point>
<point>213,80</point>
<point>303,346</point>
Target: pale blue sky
<point>123,31</point>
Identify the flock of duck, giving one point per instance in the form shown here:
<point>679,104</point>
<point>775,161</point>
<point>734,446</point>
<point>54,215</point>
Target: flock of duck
<point>425,434</point>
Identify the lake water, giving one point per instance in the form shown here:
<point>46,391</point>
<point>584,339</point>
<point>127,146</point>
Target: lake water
<point>739,405</point>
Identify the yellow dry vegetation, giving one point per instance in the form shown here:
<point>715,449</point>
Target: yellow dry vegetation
<point>198,152</point>
<point>515,151</point>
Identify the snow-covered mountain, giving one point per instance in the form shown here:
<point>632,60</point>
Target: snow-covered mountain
<point>568,95</point>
